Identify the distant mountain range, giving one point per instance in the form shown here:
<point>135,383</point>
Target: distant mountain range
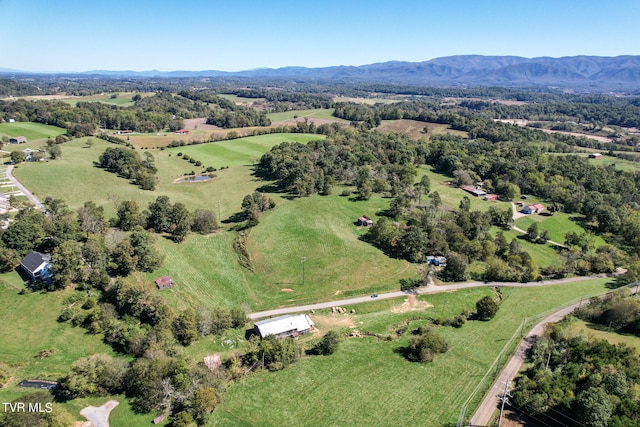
<point>590,73</point>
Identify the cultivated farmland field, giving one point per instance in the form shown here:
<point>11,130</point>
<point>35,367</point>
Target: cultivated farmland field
<point>366,382</point>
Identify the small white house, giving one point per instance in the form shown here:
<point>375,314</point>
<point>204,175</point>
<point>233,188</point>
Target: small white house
<point>284,326</point>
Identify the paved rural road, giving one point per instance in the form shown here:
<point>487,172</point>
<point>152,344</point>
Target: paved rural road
<point>420,291</point>
<point>492,400</point>
<point>33,199</point>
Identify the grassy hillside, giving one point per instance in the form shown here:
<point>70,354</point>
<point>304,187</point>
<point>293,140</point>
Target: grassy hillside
<point>32,131</point>
<point>367,380</point>
<point>60,178</point>
<point>28,326</point>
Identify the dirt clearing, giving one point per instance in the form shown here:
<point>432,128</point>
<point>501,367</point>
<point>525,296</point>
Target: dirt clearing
<point>411,304</point>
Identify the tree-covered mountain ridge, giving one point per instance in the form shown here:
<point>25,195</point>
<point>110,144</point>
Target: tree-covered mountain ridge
<point>591,73</point>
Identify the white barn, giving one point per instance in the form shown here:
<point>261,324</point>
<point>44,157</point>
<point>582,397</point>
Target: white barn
<point>284,326</point>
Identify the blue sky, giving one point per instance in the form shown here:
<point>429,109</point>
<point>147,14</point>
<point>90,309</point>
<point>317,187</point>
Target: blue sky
<point>233,35</point>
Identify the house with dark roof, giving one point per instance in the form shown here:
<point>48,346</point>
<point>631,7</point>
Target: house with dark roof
<point>36,265</point>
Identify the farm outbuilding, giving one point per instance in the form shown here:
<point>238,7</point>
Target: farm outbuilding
<point>165,282</point>
<point>284,326</point>
<point>531,209</point>
<point>477,192</point>
<point>36,265</point>
<point>490,197</point>
<point>17,140</point>
<point>595,155</point>
<point>364,221</point>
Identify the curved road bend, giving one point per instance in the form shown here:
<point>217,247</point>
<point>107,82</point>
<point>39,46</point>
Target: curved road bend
<point>420,291</point>
<point>33,199</point>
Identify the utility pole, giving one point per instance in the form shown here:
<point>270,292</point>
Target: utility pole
<point>219,219</point>
<point>504,399</point>
<point>524,321</point>
<point>546,368</point>
<point>302,260</point>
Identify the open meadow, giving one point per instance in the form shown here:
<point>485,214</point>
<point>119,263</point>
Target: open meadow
<point>32,131</point>
<point>121,99</point>
<point>317,113</point>
<point>34,344</point>
<point>368,382</point>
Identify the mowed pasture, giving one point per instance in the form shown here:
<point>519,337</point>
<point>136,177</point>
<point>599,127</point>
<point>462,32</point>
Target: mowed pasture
<point>32,131</point>
<point>337,262</point>
<point>121,99</point>
<point>368,382</point>
<point>76,179</point>
<point>557,225</point>
<point>325,114</point>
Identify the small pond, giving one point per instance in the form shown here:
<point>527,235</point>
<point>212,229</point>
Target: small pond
<point>195,178</point>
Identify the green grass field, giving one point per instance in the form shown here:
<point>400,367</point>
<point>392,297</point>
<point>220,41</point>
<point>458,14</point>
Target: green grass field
<point>368,101</point>
<point>59,178</point>
<point>28,325</point>
<point>602,332</point>
<point>240,100</point>
<point>123,99</point>
<point>367,382</point>
<point>557,225</point>
<point>32,131</point>
<point>318,113</point>
<point>238,152</point>
<point>451,195</point>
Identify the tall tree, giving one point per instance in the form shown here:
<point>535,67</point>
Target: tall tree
<point>66,263</point>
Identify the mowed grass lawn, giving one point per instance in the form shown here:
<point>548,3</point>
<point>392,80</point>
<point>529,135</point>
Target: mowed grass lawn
<point>32,131</point>
<point>238,152</point>
<point>557,225</point>
<point>367,382</point>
